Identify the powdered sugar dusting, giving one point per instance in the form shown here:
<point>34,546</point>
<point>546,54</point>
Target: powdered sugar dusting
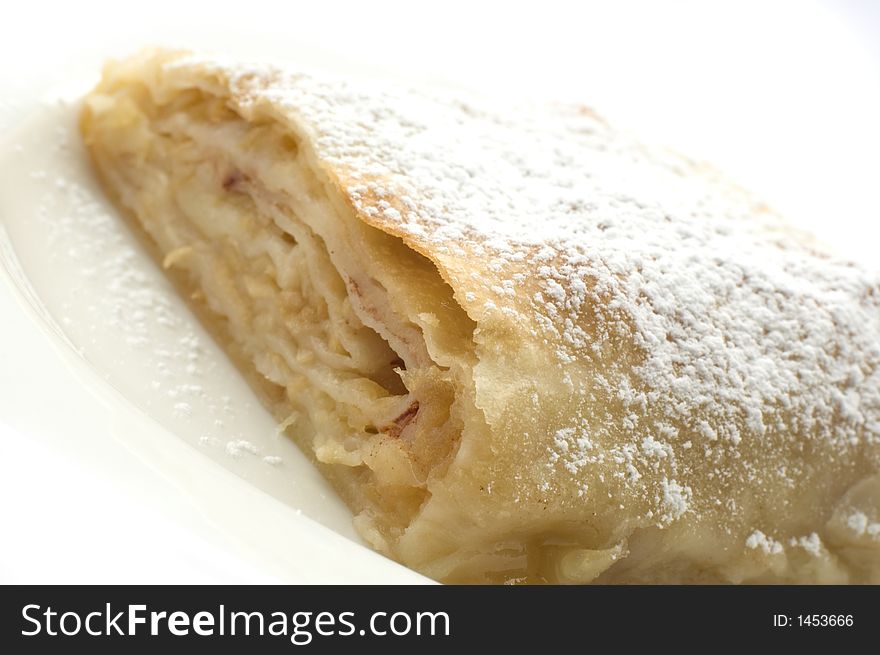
<point>239,447</point>
<point>768,545</point>
<point>810,543</point>
<point>859,523</point>
<point>675,500</point>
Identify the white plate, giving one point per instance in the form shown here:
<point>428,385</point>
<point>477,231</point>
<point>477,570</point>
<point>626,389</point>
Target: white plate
<point>132,451</point>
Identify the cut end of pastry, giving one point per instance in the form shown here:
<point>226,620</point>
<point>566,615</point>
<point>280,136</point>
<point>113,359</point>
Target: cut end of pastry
<point>239,209</point>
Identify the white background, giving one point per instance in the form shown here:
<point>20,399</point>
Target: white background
<point>784,96</point>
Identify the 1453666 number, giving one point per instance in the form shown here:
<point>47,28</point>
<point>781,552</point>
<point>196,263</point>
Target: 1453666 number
<point>825,620</point>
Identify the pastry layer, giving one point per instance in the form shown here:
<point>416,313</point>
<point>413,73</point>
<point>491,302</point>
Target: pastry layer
<point>239,208</point>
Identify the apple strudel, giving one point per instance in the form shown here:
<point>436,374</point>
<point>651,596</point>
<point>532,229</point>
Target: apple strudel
<point>522,345</point>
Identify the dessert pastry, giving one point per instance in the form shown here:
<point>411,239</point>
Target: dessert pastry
<point>522,345</point>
